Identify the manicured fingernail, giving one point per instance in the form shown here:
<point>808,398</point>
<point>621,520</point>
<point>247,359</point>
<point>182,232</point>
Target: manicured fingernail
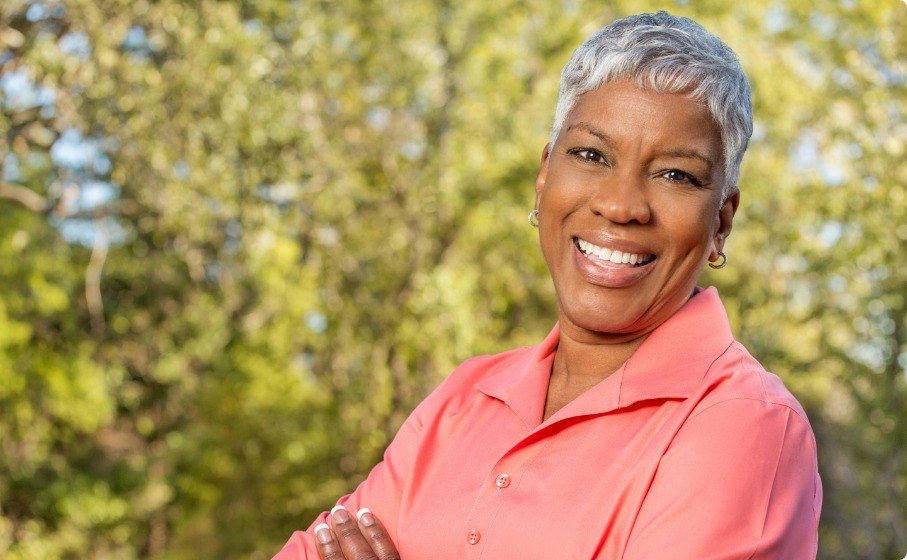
<point>365,517</point>
<point>339,514</point>
<point>323,533</point>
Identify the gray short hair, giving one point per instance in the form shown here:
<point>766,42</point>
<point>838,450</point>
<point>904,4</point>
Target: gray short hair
<point>667,54</point>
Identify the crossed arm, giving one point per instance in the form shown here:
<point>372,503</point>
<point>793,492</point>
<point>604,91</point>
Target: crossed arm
<point>359,538</point>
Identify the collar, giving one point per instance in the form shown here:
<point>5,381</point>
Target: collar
<point>670,363</point>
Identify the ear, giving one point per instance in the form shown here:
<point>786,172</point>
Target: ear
<point>543,173</point>
<point>725,220</point>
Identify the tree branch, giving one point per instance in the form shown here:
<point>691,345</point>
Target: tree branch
<point>93,276</point>
<point>26,197</point>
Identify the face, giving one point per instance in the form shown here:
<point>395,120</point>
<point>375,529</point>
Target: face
<point>632,204</point>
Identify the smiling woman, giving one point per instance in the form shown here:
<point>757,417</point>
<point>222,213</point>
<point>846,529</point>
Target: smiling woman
<point>632,201</point>
<point>638,428</point>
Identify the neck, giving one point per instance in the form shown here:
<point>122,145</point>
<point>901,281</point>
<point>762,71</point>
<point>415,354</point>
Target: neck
<point>580,364</point>
<point>588,362</point>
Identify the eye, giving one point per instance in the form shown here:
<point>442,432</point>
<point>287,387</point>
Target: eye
<point>678,176</point>
<point>588,154</point>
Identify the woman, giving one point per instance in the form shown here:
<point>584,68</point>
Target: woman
<point>638,428</point>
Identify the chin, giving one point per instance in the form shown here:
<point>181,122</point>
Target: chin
<point>605,319</point>
<point>619,312</point>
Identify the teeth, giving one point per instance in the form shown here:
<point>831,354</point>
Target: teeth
<point>617,257</point>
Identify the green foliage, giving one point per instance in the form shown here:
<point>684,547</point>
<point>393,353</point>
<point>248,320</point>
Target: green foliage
<point>319,209</point>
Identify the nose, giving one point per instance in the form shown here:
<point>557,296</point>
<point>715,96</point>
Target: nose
<point>622,199</point>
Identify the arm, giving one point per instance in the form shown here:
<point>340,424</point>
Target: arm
<point>380,492</point>
<point>739,482</point>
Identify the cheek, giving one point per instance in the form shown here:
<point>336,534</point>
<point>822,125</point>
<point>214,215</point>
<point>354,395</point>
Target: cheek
<point>551,245</point>
<point>562,196</point>
<point>690,224</point>
<point>556,211</point>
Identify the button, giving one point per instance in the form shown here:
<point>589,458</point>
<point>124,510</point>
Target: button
<point>503,481</point>
<point>473,536</point>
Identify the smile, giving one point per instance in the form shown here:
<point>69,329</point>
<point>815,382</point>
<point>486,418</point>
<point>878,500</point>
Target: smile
<point>613,256</point>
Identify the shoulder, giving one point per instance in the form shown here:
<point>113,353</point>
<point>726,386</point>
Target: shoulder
<point>744,418</point>
<point>740,404</point>
<point>741,462</point>
<point>460,385</point>
<point>478,368</point>
<point>737,377</point>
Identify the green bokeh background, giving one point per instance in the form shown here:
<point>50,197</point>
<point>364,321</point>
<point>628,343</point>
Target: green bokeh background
<point>240,240</point>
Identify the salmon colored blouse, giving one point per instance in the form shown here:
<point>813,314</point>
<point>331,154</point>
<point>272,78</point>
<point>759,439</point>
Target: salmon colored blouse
<point>690,450</point>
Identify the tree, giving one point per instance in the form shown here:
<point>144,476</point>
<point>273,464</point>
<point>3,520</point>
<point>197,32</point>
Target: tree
<point>242,239</point>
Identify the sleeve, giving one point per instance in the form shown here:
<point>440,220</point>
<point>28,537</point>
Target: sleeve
<point>380,491</point>
<point>739,481</point>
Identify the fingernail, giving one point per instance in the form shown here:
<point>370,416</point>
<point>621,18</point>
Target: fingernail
<point>323,533</point>
<point>339,514</point>
<point>365,517</point>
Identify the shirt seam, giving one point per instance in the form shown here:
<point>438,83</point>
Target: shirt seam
<point>419,429</point>
<point>747,398</point>
<point>733,345</point>
<point>771,490</point>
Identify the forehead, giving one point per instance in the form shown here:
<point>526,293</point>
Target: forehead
<point>627,113</point>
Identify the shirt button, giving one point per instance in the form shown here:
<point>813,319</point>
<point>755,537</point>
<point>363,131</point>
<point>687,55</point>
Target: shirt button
<point>503,481</point>
<point>473,536</point>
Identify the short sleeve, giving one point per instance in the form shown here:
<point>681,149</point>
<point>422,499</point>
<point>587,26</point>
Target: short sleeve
<point>739,481</point>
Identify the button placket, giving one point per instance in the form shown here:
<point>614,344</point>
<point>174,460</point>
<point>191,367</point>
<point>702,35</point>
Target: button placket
<point>490,505</point>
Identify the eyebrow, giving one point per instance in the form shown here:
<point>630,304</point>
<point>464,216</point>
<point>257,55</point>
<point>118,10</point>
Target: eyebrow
<point>591,130</point>
<point>689,154</point>
<point>678,153</point>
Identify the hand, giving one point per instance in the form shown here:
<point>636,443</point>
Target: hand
<point>363,538</point>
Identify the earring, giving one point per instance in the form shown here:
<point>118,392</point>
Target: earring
<point>723,258</point>
<point>534,218</point>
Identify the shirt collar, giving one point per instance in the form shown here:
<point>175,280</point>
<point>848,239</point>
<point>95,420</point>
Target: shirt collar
<point>674,359</point>
<point>524,385</point>
<point>670,363</point>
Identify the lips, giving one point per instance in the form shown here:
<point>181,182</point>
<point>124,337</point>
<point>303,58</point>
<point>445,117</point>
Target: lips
<point>610,265</point>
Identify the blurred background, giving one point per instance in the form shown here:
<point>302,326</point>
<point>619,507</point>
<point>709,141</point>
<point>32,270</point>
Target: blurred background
<point>240,240</point>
